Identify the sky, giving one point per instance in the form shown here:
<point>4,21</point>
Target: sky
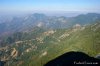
<point>49,6</point>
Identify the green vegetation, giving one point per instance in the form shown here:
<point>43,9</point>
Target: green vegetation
<point>40,45</point>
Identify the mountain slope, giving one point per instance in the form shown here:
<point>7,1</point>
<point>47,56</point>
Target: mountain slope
<point>27,23</point>
<point>41,46</point>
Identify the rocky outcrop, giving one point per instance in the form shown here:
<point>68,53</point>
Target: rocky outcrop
<point>14,53</point>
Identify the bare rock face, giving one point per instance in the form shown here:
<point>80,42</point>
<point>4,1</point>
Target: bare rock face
<point>44,54</point>
<point>77,26</point>
<point>49,32</point>
<point>14,53</point>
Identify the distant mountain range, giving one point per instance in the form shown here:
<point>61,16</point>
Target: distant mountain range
<point>16,24</point>
<point>36,39</point>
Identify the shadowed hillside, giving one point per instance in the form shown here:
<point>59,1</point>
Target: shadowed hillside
<point>73,58</point>
<point>2,63</point>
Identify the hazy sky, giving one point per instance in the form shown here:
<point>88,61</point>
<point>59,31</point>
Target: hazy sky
<point>49,5</point>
